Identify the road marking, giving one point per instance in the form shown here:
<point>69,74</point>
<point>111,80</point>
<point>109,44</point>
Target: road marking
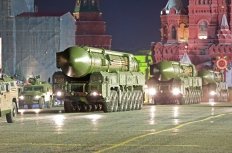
<point>158,132</point>
<point>81,145</point>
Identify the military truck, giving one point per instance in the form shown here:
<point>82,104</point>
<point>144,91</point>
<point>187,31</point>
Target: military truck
<point>214,86</point>
<point>97,79</point>
<point>175,82</point>
<point>8,98</point>
<point>36,92</point>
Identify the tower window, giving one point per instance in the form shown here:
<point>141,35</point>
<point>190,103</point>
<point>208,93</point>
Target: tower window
<point>182,30</point>
<point>202,30</point>
<point>165,32</point>
<point>173,32</point>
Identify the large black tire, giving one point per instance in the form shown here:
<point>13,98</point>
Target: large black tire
<point>68,107</point>
<point>123,101</point>
<point>10,117</point>
<point>140,100</point>
<point>115,101</point>
<point>134,99</point>
<point>110,106</point>
<point>129,100</point>
<point>107,107</point>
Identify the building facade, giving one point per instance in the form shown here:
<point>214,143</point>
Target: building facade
<point>202,29</point>
<point>38,38</point>
<point>30,39</point>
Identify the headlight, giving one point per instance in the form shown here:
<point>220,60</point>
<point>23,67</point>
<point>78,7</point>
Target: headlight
<point>59,93</point>
<point>212,93</point>
<point>152,91</point>
<point>36,97</point>
<point>95,93</point>
<point>175,91</point>
<point>21,97</point>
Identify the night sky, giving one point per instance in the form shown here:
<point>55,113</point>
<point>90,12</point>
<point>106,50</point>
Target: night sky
<point>133,24</point>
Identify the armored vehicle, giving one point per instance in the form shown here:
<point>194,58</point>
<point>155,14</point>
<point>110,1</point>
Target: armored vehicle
<point>36,92</point>
<point>8,98</point>
<point>98,79</point>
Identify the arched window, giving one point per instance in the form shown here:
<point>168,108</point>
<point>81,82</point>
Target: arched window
<point>165,32</point>
<point>182,31</point>
<point>173,32</point>
<point>202,30</point>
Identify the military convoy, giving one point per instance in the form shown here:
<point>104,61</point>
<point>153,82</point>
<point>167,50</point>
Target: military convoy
<point>97,79</point>
<point>36,92</point>
<point>8,98</point>
<point>180,83</point>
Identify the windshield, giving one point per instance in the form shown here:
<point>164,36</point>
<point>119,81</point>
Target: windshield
<point>36,88</point>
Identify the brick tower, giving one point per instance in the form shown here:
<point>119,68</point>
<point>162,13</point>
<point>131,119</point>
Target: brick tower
<point>90,27</point>
<point>174,32</point>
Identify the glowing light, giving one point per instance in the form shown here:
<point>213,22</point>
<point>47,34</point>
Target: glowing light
<point>212,93</point>
<point>59,93</point>
<point>152,115</point>
<point>94,93</point>
<point>176,121</point>
<point>175,115</point>
<point>21,111</point>
<point>175,112</point>
<point>152,91</point>
<point>37,97</point>
<point>37,111</point>
<point>211,102</point>
<point>175,91</point>
<point>21,97</point>
<point>212,111</point>
<point>59,120</point>
<point>202,37</point>
<point>94,118</point>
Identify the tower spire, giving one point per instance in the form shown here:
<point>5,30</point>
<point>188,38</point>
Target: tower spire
<point>87,6</point>
<point>77,7</point>
<point>174,4</point>
<point>224,23</point>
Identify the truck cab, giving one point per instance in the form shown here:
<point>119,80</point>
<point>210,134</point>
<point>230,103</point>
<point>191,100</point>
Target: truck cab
<point>8,98</point>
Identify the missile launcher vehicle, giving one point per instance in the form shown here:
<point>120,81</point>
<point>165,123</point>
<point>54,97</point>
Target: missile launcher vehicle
<point>180,83</point>
<point>174,83</point>
<point>214,86</point>
<point>97,79</point>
